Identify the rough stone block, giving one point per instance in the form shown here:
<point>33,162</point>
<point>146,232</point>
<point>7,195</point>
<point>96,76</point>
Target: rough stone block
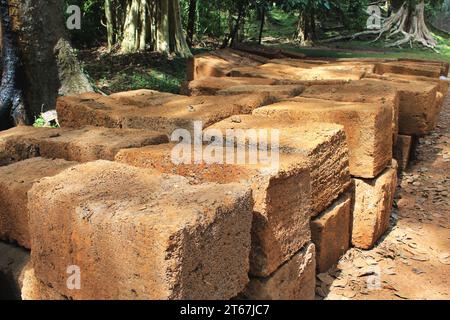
<point>300,63</point>
<point>96,143</point>
<point>218,63</point>
<point>207,65</point>
<point>282,198</point>
<point>211,85</point>
<point>443,85</point>
<point>323,144</point>
<point>368,128</point>
<point>366,90</point>
<point>34,289</point>
<point>442,90</point>
<point>331,233</point>
<point>372,207</point>
<point>295,280</point>
<point>147,110</point>
<point>417,112</point>
<point>276,92</point>
<point>279,71</point>
<point>82,145</point>
<point>137,234</point>
<point>444,66</point>
<point>16,179</point>
<point>21,143</point>
<point>410,68</point>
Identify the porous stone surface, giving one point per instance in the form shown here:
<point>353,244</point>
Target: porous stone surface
<point>96,143</point>
<point>82,145</point>
<point>424,68</point>
<point>20,143</point>
<point>372,207</point>
<point>34,289</point>
<point>418,106</point>
<point>323,144</point>
<point>137,234</point>
<point>219,63</point>
<point>146,109</point>
<point>308,72</point>
<point>277,92</point>
<point>331,232</point>
<point>209,86</point>
<point>281,194</point>
<point>16,180</point>
<point>366,91</point>
<point>368,128</point>
<point>295,280</point>
<point>442,87</point>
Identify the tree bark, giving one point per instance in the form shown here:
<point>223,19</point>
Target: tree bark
<point>156,24</point>
<point>233,37</point>
<point>50,68</point>
<point>191,22</point>
<point>135,27</point>
<point>12,107</point>
<point>178,44</point>
<point>304,32</point>
<point>110,30</point>
<point>162,27</point>
<point>409,24</point>
<point>261,26</point>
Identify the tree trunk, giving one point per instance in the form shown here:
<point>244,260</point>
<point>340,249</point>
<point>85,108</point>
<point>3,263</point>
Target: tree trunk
<point>111,32</point>
<point>191,22</point>
<point>157,24</point>
<point>12,107</point>
<point>233,37</point>
<point>50,67</point>
<point>408,23</point>
<point>135,27</point>
<point>304,32</point>
<point>178,44</point>
<point>162,27</point>
<point>261,27</point>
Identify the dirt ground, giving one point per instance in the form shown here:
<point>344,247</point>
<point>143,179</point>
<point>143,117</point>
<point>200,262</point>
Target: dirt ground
<point>412,261</point>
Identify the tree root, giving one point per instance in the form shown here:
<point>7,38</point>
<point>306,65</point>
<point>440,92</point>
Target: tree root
<point>410,24</point>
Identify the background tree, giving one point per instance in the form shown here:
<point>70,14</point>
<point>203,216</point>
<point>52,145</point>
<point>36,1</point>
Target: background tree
<point>407,23</point>
<point>140,24</point>
<point>307,13</point>
<point>34,40</point>
<point>441,18</point>
<point>192,19</point>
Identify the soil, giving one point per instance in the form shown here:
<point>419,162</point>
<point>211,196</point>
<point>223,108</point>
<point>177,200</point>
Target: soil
<point>412,261</point>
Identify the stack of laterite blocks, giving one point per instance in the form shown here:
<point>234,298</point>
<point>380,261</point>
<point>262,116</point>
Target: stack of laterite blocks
<point>106,194</point>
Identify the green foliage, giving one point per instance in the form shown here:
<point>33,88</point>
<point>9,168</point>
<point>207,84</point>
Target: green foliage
<point>39,122</point>
<point>154,80</point>
<point>360,49</point>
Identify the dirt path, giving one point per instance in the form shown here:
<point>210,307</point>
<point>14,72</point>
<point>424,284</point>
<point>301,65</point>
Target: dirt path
<point>413,259</point>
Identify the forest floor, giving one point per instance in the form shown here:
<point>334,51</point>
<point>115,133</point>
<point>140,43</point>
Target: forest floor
<point>412,261</point>
<point>113,72</point>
